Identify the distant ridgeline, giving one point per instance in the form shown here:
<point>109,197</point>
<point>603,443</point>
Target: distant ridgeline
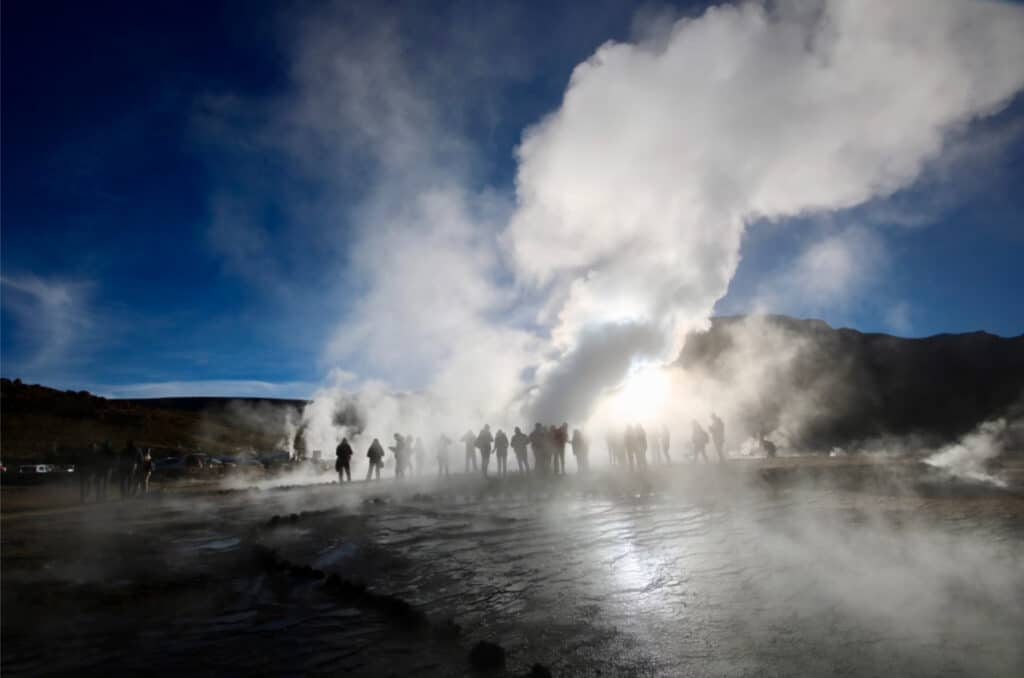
<point>845,387</point>
<point>42,423</point>
<point>862,386</point>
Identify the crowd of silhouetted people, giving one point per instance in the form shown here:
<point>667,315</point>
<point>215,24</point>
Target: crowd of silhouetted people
<point>626,448</point>
<point>128,470</point>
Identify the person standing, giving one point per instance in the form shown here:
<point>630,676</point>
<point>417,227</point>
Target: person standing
<point>376,456</point>
<point>519,443</point>
<point>538,441</point>
<point>400,450</point>
<point>418,456</point>
<point>126,468</point>
<point>580,450</point>
<point>641,446</point>
<point>666,439</point>
<point>629,438</point>
<point>147,467</point>
<point>469,440</point>
<point>483,443</point>
<point>561,439</point>
<point>343,464</point>
<point>444,444</point>
<point>699,439</point>
<point>718,436</point>
<point>501,452</point>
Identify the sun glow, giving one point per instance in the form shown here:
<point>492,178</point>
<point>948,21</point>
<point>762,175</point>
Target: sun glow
<point>643,394</point>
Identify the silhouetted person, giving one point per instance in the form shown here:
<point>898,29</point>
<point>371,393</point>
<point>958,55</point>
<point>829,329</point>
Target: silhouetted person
<point>501,452</point>
<point>408,450</point>
<point>538,442</point>
<point>580,450</point>
<point>87,466</point>
<point>551,444</point>
<point>768,447</point>
<point>444,444</point>
<point>398,449</point>
<point>147,467</point>
<point>376,456</point>
<point>718,436</point>
<point>107,469</point>
<point>561,439</point>
<point>136,478</point>
<point>469,440</point>
<point>519,443</point>
<point>343,464</point>
<point>641,446</point>
<point>126,468</point>
<point>699,440</point>
<point>483,443</point>
<point>666,440</point>
<point>655,446</point>
<point>609,442</point>
<point>630,443</point>
<point>418,456</point>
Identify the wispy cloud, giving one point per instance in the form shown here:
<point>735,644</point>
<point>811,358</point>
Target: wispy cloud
<point>827,275</point>
<point>52,319</point>
<point>897,317</point>
<point>224,388</point>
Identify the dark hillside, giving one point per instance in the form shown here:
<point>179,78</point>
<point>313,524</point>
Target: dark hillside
<point>41,423</point>
<point>872,385</point>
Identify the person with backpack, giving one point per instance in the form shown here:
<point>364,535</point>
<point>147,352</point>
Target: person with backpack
<point>343,464</point>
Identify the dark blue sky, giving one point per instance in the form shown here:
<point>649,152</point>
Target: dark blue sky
<point>128,128</point>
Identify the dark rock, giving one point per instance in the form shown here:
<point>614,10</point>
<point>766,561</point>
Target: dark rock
<point>539,671</point>
<point>487,656</point>
<point>448,630</point>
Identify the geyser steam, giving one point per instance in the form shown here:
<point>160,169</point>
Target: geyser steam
<point>632,198</point>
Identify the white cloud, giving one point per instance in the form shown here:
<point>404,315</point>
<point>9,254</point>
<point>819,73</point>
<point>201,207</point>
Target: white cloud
<point>53,318</point>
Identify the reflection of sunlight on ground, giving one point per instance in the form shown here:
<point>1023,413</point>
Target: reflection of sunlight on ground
<point>637,559</point>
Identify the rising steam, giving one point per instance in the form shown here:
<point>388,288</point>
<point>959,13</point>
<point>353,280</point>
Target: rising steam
<point>631,199</point>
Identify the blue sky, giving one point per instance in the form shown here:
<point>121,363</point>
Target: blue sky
<point>135,141</point>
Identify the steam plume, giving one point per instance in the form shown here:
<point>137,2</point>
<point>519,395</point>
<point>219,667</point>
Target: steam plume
<point>633,197</point>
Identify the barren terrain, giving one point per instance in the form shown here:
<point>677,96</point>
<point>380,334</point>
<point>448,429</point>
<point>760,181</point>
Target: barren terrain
<point>791,567</point>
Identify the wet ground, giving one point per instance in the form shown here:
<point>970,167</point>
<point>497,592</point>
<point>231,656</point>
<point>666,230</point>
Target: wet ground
<point>817,568</point>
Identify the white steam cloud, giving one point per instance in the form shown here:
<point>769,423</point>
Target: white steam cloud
<point>969,457</point>
<point>631,199</point>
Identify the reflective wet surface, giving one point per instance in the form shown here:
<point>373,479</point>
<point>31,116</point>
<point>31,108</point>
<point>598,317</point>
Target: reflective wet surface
<point>682,572</point>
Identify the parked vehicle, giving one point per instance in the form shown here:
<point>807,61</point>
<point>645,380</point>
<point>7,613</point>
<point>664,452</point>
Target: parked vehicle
<point>36,469</point>
<point>193,465</point>
<point>242,464</point>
